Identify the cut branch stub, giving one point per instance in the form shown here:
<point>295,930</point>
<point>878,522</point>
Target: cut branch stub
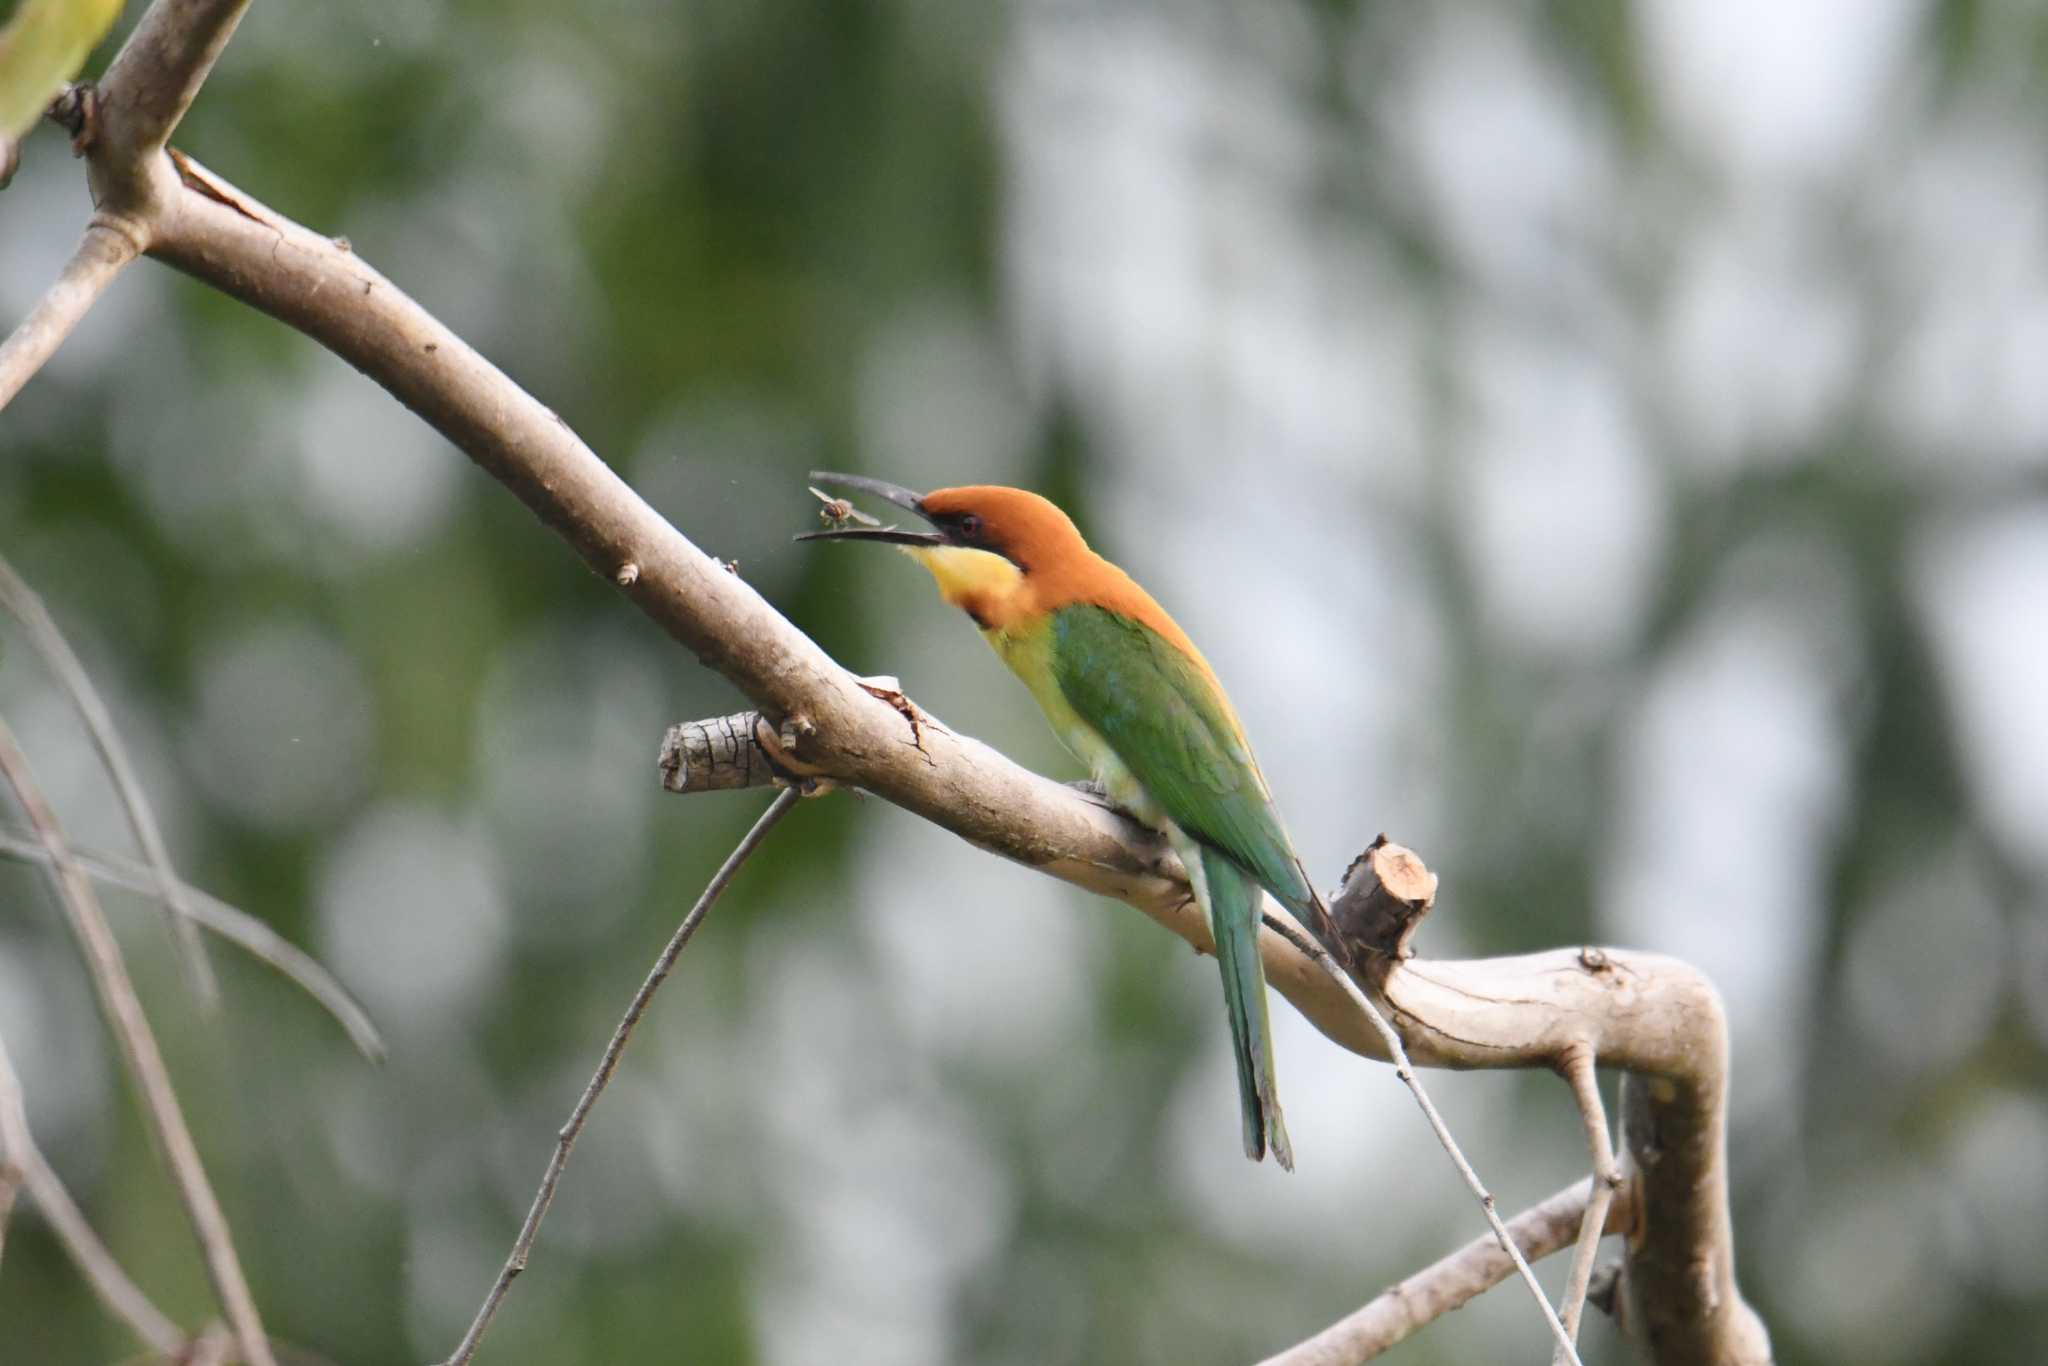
<point>1387,891</point>
<point>718,755</point>
<point>732,753</point>
<point>743,750</point>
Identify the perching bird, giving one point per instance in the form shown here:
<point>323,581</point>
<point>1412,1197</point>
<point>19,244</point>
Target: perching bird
<point>1132,697</point>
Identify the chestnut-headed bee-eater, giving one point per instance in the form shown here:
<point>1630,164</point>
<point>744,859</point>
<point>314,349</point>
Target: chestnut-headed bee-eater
<point>1132,697</point>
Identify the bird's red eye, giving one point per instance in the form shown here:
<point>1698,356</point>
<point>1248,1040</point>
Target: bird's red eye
<point>970,527</point>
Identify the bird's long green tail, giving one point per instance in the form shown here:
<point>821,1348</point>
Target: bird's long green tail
<point>1234,921</point>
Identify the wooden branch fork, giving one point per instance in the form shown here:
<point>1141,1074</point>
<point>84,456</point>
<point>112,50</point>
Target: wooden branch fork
<point>1656,1019</point>
<point>1653,1017</point>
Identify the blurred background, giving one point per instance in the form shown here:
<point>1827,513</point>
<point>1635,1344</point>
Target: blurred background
<point>1603,445</point>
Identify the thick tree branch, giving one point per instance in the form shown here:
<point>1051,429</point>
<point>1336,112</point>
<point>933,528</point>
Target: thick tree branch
<point>131,1030</point>
<point>221,236</point>
<point>1679,1291</point>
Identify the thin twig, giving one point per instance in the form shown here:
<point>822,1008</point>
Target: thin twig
<point>146,91</point>
<point>145,1062</point>
<point>1404,1309</point>
<point>230,923</point>
<point>107,246</point>
<point>121,1295</point>
<point>27,607</point>
<point>1405,1070</point>
<point>522,1246</point>
<point>1580,1071</point>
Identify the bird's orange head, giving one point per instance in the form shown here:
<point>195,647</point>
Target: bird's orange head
<point>1018,526</point>
<point>1006,556</point>
<point>1025,529</point>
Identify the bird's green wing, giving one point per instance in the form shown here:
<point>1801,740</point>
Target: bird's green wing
<point>1159,712</point>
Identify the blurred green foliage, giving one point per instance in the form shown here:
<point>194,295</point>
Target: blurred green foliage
<point>1598,443</point>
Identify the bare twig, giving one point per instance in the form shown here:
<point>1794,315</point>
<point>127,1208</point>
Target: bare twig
<point>522,1246</point>
<point>123,1298</point>
<point>230,923</point>
<point>146,91</point>
<point>138,1047</point>
<point>108,245</point>
<point>1405,1070</point>
<point>1400,1311</point>
<point>28,608</point>
<point>1579,1069</point>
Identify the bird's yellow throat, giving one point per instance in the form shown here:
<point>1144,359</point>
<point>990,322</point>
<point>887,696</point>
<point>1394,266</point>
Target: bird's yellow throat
<point>985,584</point>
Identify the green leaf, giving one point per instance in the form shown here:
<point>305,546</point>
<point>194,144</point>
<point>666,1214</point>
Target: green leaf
<point>41,48</point>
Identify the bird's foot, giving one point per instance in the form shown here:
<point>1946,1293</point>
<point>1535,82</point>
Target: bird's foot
<point>1095,792</point>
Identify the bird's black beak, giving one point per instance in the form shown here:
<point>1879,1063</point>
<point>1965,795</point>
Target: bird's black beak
<point>891,493</point>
